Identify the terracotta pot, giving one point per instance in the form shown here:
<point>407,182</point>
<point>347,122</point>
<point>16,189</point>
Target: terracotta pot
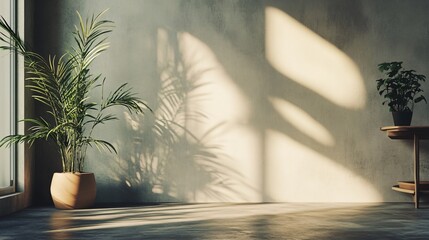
<point>73,190</point>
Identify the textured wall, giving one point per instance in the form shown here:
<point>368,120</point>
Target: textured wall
<point>254,100</point>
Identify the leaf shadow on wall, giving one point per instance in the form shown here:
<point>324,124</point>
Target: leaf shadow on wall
<point>162,160</point>
<point>235,31</point>
<point>329,156</point>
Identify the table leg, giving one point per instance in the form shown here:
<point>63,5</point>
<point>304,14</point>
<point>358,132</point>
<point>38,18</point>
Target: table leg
<point>416,171</point>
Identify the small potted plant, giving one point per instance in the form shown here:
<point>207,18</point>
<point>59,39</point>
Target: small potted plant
<point>401,89</point>
<point>64,86</point>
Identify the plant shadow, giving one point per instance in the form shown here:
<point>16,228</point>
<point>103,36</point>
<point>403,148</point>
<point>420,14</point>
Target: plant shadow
<point>162,159</point>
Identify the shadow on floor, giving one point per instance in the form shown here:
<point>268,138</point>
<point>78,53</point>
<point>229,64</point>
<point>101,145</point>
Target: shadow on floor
<point>222,221</point>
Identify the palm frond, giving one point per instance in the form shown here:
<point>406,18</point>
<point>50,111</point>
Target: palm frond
<point>64,85</point>
<point>124,97</point>
<point>101,145</point>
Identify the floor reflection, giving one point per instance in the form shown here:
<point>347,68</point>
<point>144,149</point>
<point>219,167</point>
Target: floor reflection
<point>222,221</point>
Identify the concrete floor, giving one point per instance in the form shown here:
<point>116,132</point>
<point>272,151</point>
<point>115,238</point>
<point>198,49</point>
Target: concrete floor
<point>222,221</point>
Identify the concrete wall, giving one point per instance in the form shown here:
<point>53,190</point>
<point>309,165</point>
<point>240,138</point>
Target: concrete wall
<point>254,100</point>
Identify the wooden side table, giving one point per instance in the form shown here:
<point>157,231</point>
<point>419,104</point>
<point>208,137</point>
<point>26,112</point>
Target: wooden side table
<point>416,133</point>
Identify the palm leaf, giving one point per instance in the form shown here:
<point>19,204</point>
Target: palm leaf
<point>64,85</point>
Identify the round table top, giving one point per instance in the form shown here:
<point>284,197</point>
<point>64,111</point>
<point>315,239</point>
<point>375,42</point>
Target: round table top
<point>404,128</point>
<point>406,132</point>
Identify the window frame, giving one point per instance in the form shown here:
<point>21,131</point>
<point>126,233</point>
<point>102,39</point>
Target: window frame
<point>13,100</point>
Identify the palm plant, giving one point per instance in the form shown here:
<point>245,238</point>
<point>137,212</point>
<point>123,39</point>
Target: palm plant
<point>64,85</point>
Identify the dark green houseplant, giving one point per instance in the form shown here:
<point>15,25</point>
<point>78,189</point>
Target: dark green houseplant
<point>401,89</point>
<point>64,85</point>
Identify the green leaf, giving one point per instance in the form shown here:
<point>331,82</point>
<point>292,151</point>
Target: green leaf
<point>64,84</point>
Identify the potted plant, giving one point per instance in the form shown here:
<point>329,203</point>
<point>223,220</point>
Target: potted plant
<point>64,84</point>
<point>401,88</point>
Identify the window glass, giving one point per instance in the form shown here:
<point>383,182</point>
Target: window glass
<point>6,166</point>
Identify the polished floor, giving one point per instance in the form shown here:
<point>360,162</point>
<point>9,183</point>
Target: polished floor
<point>222,221</point>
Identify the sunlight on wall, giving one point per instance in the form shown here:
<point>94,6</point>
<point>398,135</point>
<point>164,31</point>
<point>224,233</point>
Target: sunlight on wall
<point>303,121</point>
<point>304,57</point>
<point>211,161</point>
<point>300,174</point>
<point>296,172</point>
<point>222,102</point>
